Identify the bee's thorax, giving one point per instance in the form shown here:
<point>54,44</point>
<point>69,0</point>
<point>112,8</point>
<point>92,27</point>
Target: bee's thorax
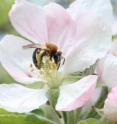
<point>53,48</point>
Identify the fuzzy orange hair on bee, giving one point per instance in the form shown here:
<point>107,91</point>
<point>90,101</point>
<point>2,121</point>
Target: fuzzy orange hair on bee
<point>52,47</point>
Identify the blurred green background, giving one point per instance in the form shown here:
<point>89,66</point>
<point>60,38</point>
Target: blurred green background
<point>6,28</point>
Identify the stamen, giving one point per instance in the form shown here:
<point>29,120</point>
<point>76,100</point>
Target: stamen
<point>33,72</point>
<point>50,73</point>
<point>46,62</point>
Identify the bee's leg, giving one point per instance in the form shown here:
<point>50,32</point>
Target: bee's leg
<point>63,60</point>
<point>58,66</point>
<point>59,63</point>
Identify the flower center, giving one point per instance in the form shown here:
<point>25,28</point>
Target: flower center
<point>47,56</point>
<point>47,59</point>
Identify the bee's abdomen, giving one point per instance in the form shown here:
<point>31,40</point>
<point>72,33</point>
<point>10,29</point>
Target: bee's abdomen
<point>34,57</point>
<point>38,55</point>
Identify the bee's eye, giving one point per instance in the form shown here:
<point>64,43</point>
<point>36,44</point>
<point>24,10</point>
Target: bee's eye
<point>59,53</point>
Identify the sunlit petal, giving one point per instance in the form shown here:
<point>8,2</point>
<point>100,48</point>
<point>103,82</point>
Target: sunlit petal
<point>17,60</point>
<point>61,27</point>
<point>16,98</point>
<point>29,20</point>
<point>102,8</point>
<point>93,42</point>
<point>76,95</point>
<point>108,70</point>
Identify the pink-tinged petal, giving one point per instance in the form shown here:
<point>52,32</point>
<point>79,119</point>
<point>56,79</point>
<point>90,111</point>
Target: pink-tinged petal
<point>17,98</point>
<point>114,48</point>
<point>29,20</point>
<point>93,42</point>
<point>108,72</point>
<point>76,95</point>
<point>60,26</point>
<point>17,60</point>
<point>100,7</point>
<point>110,106</point>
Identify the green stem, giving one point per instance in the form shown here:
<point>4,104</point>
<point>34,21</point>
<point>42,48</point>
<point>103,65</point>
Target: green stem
<point>57,115</point>
<point>72,117</point>
<point>100,103</point>
<point>64,115</point>
<point>52,96</point>
<point>77,114</point>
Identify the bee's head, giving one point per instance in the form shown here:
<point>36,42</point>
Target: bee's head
<point>59,53</point>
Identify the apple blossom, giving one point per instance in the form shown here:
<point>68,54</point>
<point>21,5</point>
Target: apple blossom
<point>102,8</point>
<point>107,67</point>
<point>82,40</point>
<point>110,106</point>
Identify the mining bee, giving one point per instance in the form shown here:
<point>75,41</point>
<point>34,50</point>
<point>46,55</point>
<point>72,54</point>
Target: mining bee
<point>48,50</point>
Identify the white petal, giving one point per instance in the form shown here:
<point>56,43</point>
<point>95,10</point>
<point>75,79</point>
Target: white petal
<point>76,95</point>
<point>29,20</point>
<point>100,7</point>
<point>16,98</point>
<point>109,70</point>
<point>93,42</point>
<point>18,1</point>
<point>15,59</point>
<point>61,28</point>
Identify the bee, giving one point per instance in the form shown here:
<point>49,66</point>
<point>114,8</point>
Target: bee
<point>48,50</point>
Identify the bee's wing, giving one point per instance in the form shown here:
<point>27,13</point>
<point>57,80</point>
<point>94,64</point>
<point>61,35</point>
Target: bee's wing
<point>32,46</point>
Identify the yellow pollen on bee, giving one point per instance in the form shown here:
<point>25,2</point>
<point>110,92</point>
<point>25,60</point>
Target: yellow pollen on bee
<point>33,72</point>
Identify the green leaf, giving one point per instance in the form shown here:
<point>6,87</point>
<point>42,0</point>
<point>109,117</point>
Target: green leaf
<point>5,6</point>
<point>95,121</point>
<point>12,119</point>
<point>114,37</point>
<point>36,119</point>
<point>105,121</point>
<point>99,104</point>
<point>38,112</point>
<point>90,121</point>
<point>4,76</point>
<point>29,118</point>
